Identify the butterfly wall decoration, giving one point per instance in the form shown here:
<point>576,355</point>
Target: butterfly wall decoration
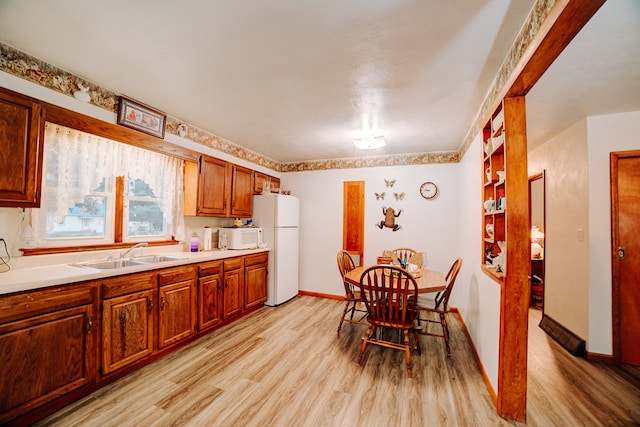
<point>379,196</point>
<point>389,182</point>
<point>398,196</point>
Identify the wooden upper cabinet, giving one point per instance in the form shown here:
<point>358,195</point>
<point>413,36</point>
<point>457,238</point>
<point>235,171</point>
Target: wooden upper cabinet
<point>21,148</point>
<point>242,192</point>
<point>214,187</point>
<point>259,179</point>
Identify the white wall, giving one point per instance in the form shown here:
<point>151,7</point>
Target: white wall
<point>476,296</point>
<point>564,159</point>
<point>432,226</point>
<point>606,134</point>
<point>578,273</point>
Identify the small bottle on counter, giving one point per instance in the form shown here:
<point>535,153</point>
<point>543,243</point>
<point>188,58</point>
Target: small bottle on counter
<point>194,243</point>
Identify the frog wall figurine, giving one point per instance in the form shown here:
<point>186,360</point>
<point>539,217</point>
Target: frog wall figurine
<point>389,220</point>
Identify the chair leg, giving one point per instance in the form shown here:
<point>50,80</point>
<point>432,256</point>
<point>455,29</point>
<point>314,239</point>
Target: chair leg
<point>407,352</point>
<point>370,331</point>
<point>445,333</point>
<point>344,314</point>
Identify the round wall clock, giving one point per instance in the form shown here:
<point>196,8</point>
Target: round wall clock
<point>428,190</point>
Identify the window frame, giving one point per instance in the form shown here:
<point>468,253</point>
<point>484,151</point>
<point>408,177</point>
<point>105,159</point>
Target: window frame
<point>61,116</point>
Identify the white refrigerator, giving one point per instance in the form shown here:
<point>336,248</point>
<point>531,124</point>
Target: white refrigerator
<point>277,215</point>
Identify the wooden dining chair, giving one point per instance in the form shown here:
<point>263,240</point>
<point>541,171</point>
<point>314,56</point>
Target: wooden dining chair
<point>404,253</point>
<point>390,294</point>
<point>439,305</point>
<point>353,301</point>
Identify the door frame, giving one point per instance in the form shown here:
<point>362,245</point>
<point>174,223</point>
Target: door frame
<point>532,178</point>
<point>614,157</point>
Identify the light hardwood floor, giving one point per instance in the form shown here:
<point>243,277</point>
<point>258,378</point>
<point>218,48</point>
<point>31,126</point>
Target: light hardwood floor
<point>285,366</point>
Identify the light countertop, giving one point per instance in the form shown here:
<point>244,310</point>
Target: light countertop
<point>42,276</point>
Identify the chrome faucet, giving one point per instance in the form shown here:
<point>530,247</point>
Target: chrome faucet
<point>137,245</point>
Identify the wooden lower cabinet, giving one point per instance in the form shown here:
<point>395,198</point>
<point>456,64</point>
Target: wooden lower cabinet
<point>127,331</point>
<point>233,286</point>
<point>209,294</point>
<point>255,278</point>
<point>127,320</point>
<point>177,305</point>
<point>47,347</point>
<point>58,344</point>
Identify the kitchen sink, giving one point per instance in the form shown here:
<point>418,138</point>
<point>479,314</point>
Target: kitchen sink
<point>154,259</point>
<point>108,264</point>
<point>111,264</point>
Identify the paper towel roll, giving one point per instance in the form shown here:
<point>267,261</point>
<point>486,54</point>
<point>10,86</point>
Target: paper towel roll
<point>207,238</point>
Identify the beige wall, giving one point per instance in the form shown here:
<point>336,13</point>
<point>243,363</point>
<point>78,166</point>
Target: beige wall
<point>564,159</point>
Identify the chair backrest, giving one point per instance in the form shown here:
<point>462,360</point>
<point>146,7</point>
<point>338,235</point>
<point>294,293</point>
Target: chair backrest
<point>404,253</point>
<point>345,265</point>
<point>443,299</point>
<point>390,294</point>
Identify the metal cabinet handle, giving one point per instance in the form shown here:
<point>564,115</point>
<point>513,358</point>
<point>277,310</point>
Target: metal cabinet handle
<point>89,325</point>
<point>622,253</point>
<point>162,301</point>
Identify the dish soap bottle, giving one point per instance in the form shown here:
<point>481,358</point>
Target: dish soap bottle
<point>194,243</point>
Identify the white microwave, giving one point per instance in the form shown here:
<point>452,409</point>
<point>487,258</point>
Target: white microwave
<point>241,237</point>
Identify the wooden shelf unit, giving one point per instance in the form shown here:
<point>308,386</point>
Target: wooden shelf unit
<point>506,129</point>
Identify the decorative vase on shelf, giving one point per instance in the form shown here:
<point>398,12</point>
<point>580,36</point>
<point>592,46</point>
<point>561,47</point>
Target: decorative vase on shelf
<point>487,172</point>
<point>487,147</point>
<point>489,228</point>
<point>489,205</point>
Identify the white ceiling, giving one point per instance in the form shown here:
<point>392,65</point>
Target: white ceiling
<point>294,80</point>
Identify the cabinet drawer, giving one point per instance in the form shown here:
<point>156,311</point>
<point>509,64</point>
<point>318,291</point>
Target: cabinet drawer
<point>175,275</point>
<point>260,258</point>
<point>209,268</point>
<point>130,283</point>
<point>24,305</point>
<point>232,263</point>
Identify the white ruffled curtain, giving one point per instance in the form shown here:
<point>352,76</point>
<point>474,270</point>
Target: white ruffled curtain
<point>76,162</point>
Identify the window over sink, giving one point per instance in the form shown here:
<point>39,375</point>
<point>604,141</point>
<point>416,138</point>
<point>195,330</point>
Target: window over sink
<point>99,191</point>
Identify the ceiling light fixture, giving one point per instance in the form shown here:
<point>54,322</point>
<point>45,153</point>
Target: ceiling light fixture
<point>367,142</point>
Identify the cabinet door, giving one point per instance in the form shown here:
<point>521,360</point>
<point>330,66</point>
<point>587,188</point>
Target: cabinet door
<point>275,182</point>
<point>44,357</point>
<point>259,180</point>
<point>177,304</point>
<point>232,293</point>
<point>214,187</point>
<point>127,329</point>
<point>209,307</point>
<point>242,196</point>
<point>21,148</point>
<point>255,279</point>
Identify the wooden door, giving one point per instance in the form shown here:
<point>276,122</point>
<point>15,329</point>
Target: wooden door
<point>21,148</point>
<point>209,297</point>
<point>625,205</point>
<point>353,219</point>
<point>44,357</point>
<point>255,277</point>
<point>126,329</point>
<point>242,192</point>
<point>175,311</point>
<point>214,187</point>
<point>232,293</point>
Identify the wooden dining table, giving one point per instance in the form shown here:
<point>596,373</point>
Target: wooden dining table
<point>429,280</point>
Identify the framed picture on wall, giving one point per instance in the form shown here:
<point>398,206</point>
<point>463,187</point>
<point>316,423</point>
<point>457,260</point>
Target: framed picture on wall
<point>141,117</point>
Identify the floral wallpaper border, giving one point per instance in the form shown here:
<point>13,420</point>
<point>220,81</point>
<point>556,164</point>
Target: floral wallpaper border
<point>539,13</point>
<point>18,63</point>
